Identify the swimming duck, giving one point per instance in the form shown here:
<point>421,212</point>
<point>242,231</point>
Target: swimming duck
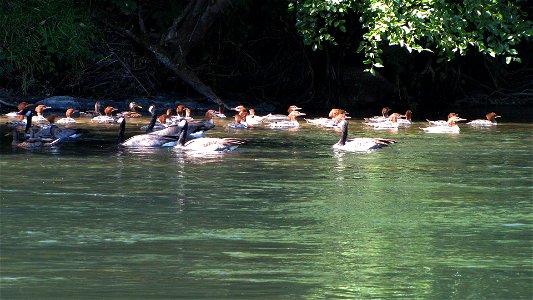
<point>220,114</point>
<point>391,123</point>
<point>132,113</point>
<point>107,118</point>
<point>330,121</point>
<point>238,124</point>
<point>450,127</point>
<point>252,119</point>
<point>32,143</point>
<point>384,116</point>
<point>207,145</point>
<point>405,119</point>
<point>68,117</point>
<point>92,113</point>
<point>359,144</point>
<point>279,117</point>
<point>148,139</point>
<point>39,118</point>
<point>54,132</point>
<point>15,114</point>
<point>490,121</point>
<point>442,122</point>
<point>291,123</point>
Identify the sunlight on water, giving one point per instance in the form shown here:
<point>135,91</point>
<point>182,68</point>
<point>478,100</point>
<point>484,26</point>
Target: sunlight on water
<point>436,216</point>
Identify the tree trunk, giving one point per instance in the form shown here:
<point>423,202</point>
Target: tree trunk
<point>186,32</point>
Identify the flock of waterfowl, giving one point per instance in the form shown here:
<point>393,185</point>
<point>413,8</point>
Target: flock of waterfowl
<point>32,130</point>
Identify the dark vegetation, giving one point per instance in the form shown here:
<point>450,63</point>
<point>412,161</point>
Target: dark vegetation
<point>244,51</point>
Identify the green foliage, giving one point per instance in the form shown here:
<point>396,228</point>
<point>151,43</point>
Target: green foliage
<point>44,38</point>
<point>445,27</point>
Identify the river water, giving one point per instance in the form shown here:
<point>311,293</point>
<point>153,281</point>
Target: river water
<point>436,216</point>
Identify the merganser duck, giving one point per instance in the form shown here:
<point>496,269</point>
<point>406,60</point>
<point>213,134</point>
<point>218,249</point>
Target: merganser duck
<point>68,117</point>
<point>291,123</point>
<point>148,139</point>
<point>359,144</point>
<point>252,119</point>
<point>392,123</point>
<point>132,113</point>
<point>238,124</point>
<point>197,129</point>
<point>383,118</point>
<point>23,108</point>
<point>20,107</point>
<point>207,145</point>
<point>442,122</point>
<point>220,114</point>
<point>92,113</point>
<point>450,127</point>
<point>278,117</point>
<point>39,118</point>
<point>180,114</point>
<point>405,119</point>
<point>330,121</point>
<point>107,118</point>
<point>490,121</point>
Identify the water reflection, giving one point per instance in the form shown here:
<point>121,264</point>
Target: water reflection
<point>284,216</point>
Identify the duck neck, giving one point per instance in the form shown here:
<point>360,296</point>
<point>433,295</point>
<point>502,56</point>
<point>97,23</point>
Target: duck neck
<point>152,122</point>
<point>122,130</point>
<point>28,122</point>
<point>183,134</point>
<point>344,135</point>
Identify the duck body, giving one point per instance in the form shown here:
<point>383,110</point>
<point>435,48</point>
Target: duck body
<point>107,118</point>
<point>146,140</point>
<point>490,121</point>
<point>205,144</point>
<point>378,119</point>
<point>132,113</point>
<point>359,144</point>
<point>290,123</point>
<point>68,117</point>
<point>450,126</point>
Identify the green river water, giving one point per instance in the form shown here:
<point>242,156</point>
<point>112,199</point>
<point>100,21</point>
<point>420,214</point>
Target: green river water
<point>436,216</point>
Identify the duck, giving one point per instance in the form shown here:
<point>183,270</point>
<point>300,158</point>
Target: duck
<point>152,139</point>
<point>92,113</point>
<point>39,118</point>
<point>359,144</point>
<point>207,144</point>
<point>107,118</point>
<point>220,113</point>
<point>442,122</point>
<point>197,129</point>
<point>132,113</point>
<point>54,132</point>
<point>238,123</point>
<point>23,108</point>
<point>330,121</point>
<point>405,119</point>
<point>180,114</point>
<point>391,123</point>
<point>490,121</point>
<point>279,117</point>
<point>68,117</point>
<point>154,120</point>
<point>450,127</point>
<point>252,119</point>
<point>376,119</point>
<point>32,143</point>
<point>291,123</point>
<point>20,107</point>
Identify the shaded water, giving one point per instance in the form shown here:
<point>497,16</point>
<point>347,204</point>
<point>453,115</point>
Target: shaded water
<point>435,216</point>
